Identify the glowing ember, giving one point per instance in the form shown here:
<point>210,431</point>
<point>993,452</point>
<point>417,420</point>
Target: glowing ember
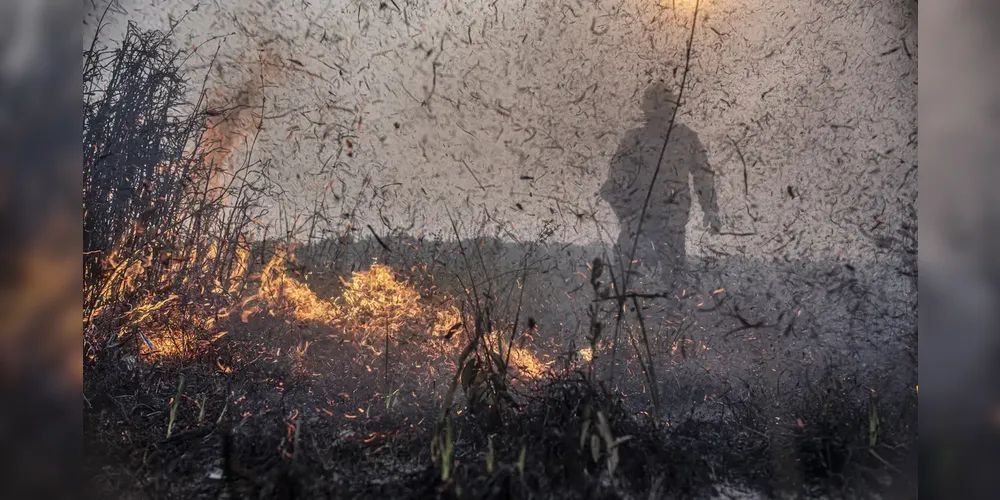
<point>522,360</point>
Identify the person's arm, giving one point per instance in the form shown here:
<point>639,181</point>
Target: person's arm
<point>704,187</point>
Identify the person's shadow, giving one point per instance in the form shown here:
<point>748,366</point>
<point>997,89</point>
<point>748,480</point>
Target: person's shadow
<point>659,254</point>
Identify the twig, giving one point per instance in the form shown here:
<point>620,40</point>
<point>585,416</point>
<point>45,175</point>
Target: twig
<point>746,184</point>
<point>379,240</point>
<point>434,79</point>
<point>885,462</point>
<point>467,167</point>
<point>650,367</point>
<point>517,315</point>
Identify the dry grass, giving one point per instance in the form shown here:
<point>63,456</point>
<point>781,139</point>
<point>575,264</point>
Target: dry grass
<point>370,305</point>
<point>523,360</point>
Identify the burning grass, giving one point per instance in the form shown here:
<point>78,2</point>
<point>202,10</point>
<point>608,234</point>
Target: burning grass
<point>282,294</point>
<point>173,307</point>
<point>376,300</point>
<point>524,362</point>
<point>371,303</point>
<point>176,316</point>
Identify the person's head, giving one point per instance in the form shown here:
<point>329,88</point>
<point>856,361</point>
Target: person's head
<point>658,102</point>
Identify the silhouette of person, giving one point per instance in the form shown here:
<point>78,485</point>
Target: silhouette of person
<point>660,252</point>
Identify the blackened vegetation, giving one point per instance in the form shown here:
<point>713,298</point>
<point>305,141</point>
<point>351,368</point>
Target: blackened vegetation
<point>164,220</point>
<point>568,421</point>
<point>258,442</point>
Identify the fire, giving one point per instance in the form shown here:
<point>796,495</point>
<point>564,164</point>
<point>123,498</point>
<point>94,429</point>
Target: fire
<point>285,294</point>
<point>162,286</point>
<point>528,364</point>
<point>240,266</point>
<point>374,306</point>
<point>524,362</point>
<point>447,322</point>
<point>373,302</point>
<point>376,300</point>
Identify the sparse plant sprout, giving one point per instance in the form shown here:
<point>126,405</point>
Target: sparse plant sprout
<point>201,409</point>
<point>490,455</point>
<point>522,460</point>
<point>174,404</point>
<point>873,423</point>
<point>443,449</point>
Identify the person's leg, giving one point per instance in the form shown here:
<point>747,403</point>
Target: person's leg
<point>640,271</point>
<point>666,255</point>
<point>675,259</point>
<point>649,264</point>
